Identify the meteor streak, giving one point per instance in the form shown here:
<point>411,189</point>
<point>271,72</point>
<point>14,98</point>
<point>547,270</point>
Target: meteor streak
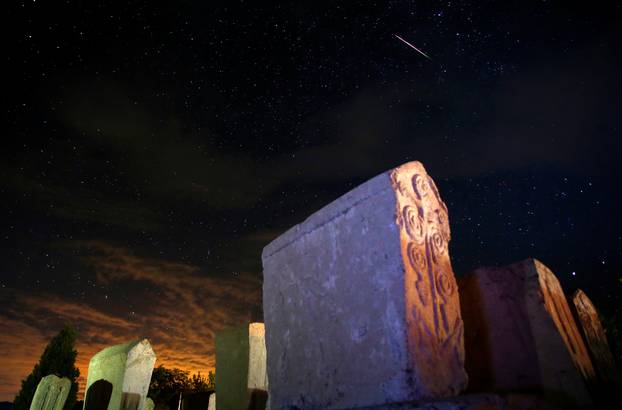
<point>410,45</point>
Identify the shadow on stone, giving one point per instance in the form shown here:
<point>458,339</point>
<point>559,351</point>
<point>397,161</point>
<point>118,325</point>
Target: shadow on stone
<point>258,399</point>
<point>98,395</point>
<point>130,401</point>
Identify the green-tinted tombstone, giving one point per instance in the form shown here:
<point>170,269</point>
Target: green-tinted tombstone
<point>149,405</point>
<point>241,378</point>
<point>128,368</point>
<point>51,393</point>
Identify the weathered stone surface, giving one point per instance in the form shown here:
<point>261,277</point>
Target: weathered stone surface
<point>212,402</point>
<point>360,300</point>
<point>128,368</point>
<point>595,338</point>
<point>241,380</point>
<point>257,374</point>
<point>51,393</point>
<point>520,334</point>
<point>476,402</point>
<point>469,402</point>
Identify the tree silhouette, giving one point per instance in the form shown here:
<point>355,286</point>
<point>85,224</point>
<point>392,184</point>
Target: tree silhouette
<point>168,383</point>
<point>59,358</point>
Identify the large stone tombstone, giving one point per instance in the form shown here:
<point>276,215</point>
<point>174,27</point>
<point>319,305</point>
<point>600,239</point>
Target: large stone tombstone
<point>360,301</point>
<point>520,335</point>
<point>51,393</point>
<point>595,338</point>
<point>241,380</point>
<point>128,368</point>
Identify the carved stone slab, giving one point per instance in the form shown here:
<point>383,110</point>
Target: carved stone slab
<point>360,301</point>
<point>128,367</point>
<point>51,393</point>
<point>595,338</point>
<point>241,380</point>
<point>520,334</point>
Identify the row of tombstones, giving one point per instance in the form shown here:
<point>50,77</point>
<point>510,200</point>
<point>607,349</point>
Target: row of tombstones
<point>118,379</point>
<point>362,310</point>
<point>520,337</point>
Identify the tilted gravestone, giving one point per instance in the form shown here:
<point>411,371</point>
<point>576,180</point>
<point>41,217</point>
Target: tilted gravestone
<point>595,338</point>
<point>128,368</point>
<point>51,393</point>
<point>360,301</point>
<point>241,380</point>
<point>520,335</point>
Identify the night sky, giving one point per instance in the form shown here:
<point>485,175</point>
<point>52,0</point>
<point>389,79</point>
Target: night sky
<point>151,151</point>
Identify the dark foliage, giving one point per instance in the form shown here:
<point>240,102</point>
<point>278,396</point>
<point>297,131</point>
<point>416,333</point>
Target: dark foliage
<point>612,322</point>
<point>168,383</point>
<point>59,358</point>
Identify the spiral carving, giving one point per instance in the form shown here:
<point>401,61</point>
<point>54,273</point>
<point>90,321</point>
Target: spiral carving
<point>417,258</point>
<point>445,284</point>
<point>413,222</point>
<point>441,219</point>
<point>421,186</point>
<point>419,262</point>
<point>437,242</point>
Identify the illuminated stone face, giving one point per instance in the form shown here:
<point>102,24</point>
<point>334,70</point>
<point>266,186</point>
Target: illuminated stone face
<point>51,393</point>
<point>128,368</point>
<point>241,379</point>
<point>435,329</point>
<point>212,402</point>
<point>520,334</point>
<point>596,339</point>
<point>360,301</point>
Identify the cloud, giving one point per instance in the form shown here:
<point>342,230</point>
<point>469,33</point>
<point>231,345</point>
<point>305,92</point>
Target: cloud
<point>175,305</point>
<point>79,204</point>
<point>162,157</point>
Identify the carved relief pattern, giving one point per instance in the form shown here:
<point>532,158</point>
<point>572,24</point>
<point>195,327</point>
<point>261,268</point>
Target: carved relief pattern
<point>419,263</point>
<point>435,325</point>
<point>557,306</point>
<point>413,221</point>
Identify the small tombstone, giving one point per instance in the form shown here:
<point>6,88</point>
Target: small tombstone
<point>98,395</point>
<point>520,335</point>
<point>241,380</point>
<point>51,393</point>
<point>128,368</point>
<point>193,400</point>
<point>212,402</point>
<point>360,300</point>
<point>149,404</point>
<point>595,338</point>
